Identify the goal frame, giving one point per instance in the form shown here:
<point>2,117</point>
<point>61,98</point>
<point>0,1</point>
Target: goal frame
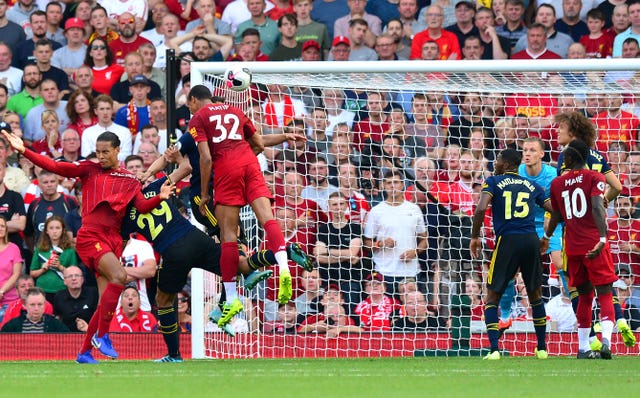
<point>200,69</point>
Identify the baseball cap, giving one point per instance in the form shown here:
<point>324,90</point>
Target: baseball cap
<point>310,43</point>
<point>5,126</point>
<point>332,286</point>
<point>623,268</point>
<point>341,40</point>
<point>73,23</point>
<point>470,5</point>
<point>140,79</point>
<point>374,276</point>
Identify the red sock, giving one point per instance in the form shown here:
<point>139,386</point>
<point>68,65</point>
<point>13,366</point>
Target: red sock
<point>583,314</point>
<point>91,330</point>
<point>607,313</point>
<point>229,261</point>
<point>108,305</point>
<point>274,236</point>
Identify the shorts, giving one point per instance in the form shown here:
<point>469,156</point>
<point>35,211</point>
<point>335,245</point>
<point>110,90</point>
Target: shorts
<point>598,271</point>
<point>92,244</point>
<point>194,250</point>
<point>513,253</point>
<point>239,184</point>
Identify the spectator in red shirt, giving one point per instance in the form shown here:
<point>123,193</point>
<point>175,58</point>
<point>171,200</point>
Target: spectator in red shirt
<point>128,41</point>
<point>129,317</point>
<point>536,45</point>
<point>447,41</point>
<point>377,309</point>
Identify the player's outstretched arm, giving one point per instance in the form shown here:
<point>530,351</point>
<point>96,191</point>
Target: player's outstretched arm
<point>475,246</point>
<point>615,187</point>
<point>64,169</point>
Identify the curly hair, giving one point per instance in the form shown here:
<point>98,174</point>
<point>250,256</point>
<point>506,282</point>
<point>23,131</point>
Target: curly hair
<point>580,127</point>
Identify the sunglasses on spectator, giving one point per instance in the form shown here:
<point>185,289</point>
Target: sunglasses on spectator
<point>127,21</point>
<point>183,299</point>
<point>98,47</point>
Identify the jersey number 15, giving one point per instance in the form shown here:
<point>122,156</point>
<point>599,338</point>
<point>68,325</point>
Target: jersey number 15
<point>521,208</point>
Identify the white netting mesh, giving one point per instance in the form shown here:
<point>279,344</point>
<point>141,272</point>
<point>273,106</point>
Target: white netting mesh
<point>434,126</point>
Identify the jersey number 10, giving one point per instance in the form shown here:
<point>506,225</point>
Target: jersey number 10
<point>576,205</point>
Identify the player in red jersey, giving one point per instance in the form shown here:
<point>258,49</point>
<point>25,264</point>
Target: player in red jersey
<point>107,191</point>
<point>577,198</point>
<point>227,138</point>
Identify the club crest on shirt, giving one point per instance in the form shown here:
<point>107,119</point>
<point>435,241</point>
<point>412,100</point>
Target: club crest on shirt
<point>193,132</point>
<point>98,247</point>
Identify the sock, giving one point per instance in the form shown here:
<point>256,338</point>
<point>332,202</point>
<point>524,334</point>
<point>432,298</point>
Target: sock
<point>168,320</point>
<point>261,259</point>
<point>229,261</point>
<point>583,315</point>
<point>607,316</point>
<point>491,320</point>
<point>616,306</point>
<point>506,300</point>
<point>540,323</point>
<point>583,339</point>
<point>92,328</point>
<point>108,305</point>
<point>277,244</point>
<point>230,290</point>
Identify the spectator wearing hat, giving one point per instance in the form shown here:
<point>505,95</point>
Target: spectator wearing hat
<point>377,309</point>
<point>133,66</point>
<point>447,41</point>
<point>311,51</point>
<point>465,13</point>
<point>308,29</point>
<point>71,56</point>
<point>289,48</point>
<point>135,113</point>
<point>340,49</point>
<point>343,25</point>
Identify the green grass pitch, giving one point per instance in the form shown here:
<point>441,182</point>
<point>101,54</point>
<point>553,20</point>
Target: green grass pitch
<point>327,378</point>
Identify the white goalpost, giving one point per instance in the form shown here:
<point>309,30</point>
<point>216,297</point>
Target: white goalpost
<point>467,108</point>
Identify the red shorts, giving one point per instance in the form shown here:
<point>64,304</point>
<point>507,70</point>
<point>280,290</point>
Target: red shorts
<point>92,244</point>
<point>239,184</point>
<point>598,271</point>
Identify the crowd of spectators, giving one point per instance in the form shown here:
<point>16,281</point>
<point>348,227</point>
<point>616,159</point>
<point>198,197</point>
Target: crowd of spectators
<point>381,193</point>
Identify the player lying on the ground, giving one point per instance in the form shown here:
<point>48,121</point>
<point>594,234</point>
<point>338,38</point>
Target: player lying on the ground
<point>183,247</point>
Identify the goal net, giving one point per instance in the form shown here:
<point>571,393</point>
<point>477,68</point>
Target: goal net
<point>437,126</point>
